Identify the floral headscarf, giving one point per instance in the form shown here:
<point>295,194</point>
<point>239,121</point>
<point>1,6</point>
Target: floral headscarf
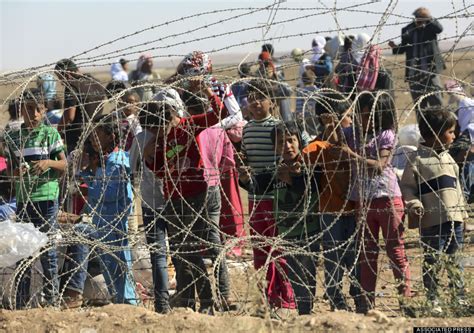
<point>196,63</point>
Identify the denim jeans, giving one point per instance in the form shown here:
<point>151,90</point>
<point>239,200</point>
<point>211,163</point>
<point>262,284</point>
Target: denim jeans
<point>155,230</point>
<point>215,250</point>
<point>43,215</point>
<point>302,271</point>
<point>115,258</point>
<point>339,246</point>
<point>446,238</point>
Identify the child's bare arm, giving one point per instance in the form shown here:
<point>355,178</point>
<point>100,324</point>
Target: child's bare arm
<point>42,166</point>
<point>409,188</point>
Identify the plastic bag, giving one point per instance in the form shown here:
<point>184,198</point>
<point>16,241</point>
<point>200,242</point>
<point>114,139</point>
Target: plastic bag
<point>19,241</point>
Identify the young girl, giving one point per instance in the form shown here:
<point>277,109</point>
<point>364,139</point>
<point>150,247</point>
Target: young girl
<point>381,194</point>
<point>109,202</point>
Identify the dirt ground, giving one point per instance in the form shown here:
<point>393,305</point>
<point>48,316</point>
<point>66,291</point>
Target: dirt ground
<point>125,318</point>
<point>252,315</point>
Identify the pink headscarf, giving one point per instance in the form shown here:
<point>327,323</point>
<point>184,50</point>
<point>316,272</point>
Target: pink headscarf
<point>142,59</point>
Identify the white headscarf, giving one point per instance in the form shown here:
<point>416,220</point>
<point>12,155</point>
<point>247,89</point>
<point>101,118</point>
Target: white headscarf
<point>318,48</point>
<point>117,72</point>
<point>335,46</point>
<point>359,45</point>
<point>172,98</point>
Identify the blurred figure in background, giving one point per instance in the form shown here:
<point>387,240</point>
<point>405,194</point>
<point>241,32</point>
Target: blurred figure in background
<point>144,77</point>
<point>423,57</point>
<point>119,70</point>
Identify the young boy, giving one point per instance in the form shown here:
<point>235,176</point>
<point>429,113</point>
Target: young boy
<point>435,202</point>
<point>151,192</point>
<point>36,160</point>
<point>260,157</point>
<point>296,192</point>
<point>109,202</point>
<point>338,221</point>
<point>174,156</point>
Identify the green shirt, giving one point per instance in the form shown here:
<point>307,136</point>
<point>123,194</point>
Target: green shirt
<point>26,145</point>
<point>294,208</point>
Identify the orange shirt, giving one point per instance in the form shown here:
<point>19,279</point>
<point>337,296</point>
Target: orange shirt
<point>335,180</point>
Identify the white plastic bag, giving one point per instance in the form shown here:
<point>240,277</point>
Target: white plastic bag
<point>19,241</point>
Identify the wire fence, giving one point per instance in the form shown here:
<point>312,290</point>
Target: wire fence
<point>252,187</point>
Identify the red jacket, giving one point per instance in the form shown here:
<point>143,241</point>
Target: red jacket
<point>177,160</point>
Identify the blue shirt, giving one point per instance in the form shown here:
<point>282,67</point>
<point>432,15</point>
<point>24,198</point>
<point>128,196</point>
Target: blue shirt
<point>109,198</point>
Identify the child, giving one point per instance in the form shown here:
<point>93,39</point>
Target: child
<point>295,193</point>
<point>338,221</point>
<point>109,202</point>
<point>282,91</point>
<point>435,202</point>
<point>130,124</point>
<point>380,192</point>
<point>36,160</point>
<point>259,155</point>
<point>153,203</point>
<point>174,156</point>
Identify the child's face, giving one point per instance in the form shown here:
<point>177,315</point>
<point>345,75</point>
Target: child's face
<point>131,105</point>
<point>448,137</point>
<point>101,141</point>
<point>32,113</point>
<point>288,146</point>
<point>346,120</point>
<point>259,106</point>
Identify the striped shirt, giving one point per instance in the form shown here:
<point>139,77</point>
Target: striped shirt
<point>258,148</point>
<point>27,145</point>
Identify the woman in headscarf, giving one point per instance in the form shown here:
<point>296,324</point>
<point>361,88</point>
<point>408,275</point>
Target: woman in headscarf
<point>321,62</point>
<point>118,70</point>
<point>143,77</point>
<point>351,58</point>
<point>198,64</point>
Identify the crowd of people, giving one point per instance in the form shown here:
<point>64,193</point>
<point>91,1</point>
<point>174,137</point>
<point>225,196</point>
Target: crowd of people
<point>320,176</point>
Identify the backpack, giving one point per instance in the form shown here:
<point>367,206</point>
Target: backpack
<point>369,69</point>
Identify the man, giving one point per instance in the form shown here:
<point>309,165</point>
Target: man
<point>423,57</point>
<point>83,96</point>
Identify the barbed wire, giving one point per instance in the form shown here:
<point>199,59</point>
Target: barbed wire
<point>186,231</point>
